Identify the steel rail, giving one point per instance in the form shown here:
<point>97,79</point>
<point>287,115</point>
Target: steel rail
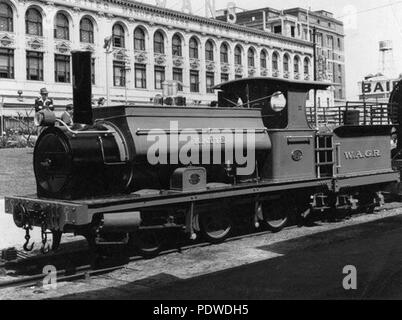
<point>87,271</point>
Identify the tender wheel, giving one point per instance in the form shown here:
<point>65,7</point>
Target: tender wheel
<point>148,243</point>
<point>276,215</point>
<point>367,202</point>
<point>215,226</point>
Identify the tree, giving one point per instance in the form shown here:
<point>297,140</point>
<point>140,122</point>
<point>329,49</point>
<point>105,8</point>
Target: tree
<point>26,126</point>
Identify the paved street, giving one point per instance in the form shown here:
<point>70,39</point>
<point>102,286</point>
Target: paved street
<point>298,263</point>
<point>306,268</point>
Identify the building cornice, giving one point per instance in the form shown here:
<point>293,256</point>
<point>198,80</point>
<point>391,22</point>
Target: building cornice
<point>151,9</point>
<point>314,14</point>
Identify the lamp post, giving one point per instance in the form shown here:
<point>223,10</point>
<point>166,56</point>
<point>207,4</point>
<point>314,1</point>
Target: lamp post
<point>315,75</point>
<point>127,70</point>
<point>2,116</point>
<point>108,50</point>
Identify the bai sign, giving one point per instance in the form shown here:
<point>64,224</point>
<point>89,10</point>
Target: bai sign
<point>210,8</point>
<point>377,87</point>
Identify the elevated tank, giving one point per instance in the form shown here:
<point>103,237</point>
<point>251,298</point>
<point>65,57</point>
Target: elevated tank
<point>112,156</point>
<point>115,153</point>
<point>139,126</point>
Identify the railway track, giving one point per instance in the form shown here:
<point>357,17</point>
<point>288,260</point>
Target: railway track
<point>76,271</point>
<point>87,271</point>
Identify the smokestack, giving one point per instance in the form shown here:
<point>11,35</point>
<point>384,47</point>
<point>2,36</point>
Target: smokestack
<point>82,87</point>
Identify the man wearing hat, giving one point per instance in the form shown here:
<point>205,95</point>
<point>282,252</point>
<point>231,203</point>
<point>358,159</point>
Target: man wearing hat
<point>44,102</point>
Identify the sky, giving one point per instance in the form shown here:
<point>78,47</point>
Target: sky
<point>373,21</point>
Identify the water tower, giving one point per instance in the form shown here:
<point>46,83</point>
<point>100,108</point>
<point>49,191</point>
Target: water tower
<point>386,64</point>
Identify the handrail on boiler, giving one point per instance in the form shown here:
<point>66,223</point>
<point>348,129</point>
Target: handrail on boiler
<point>84,132</point>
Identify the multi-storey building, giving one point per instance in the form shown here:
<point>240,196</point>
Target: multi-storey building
<point>149,45</point>
<point>298,23</point>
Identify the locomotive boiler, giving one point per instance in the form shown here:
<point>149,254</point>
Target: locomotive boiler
<point>110,153</point>
<point>114,155</point>
<point>129,174</point>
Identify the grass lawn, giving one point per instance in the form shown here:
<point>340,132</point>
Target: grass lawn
<point>16,172</point>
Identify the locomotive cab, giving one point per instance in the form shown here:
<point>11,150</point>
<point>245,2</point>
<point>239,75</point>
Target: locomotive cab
<point>283,108</point>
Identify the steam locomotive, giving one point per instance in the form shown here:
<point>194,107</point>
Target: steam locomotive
<point>129,174</point>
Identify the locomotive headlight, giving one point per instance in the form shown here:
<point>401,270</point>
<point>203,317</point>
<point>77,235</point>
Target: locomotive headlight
<point>278,101</point>
<point>45,118</point>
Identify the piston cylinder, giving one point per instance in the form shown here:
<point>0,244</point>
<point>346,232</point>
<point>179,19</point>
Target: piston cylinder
<point>121,222</point>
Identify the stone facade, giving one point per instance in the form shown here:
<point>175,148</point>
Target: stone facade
<point>298,23</point>
<point>63,30</point>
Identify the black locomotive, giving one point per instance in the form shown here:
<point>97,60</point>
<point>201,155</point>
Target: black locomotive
<point>127,174</point>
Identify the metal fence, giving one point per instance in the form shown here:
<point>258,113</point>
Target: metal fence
<point>355,113</point>
<point>15,124</point>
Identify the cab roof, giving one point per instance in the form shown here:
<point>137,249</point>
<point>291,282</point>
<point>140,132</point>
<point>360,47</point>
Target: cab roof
<point>295,84</point>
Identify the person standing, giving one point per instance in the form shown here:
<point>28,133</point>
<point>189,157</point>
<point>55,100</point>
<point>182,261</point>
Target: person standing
<point>44,102</point>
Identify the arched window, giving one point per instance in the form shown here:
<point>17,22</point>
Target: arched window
<point>33,22</point>
<point>86,30</point>
<point>224,53</point>
<point>193,48</point>
<point>306,66</point>
<point>139,39</point>
<point>209,51</point>
<point>296,65</point>
<point>237,56</point>
<point>275,62</point>
<point>61,27</point>
<point>6,18</point>
<point>159,42</point>
<point>176,46</point>
<point>118,36</point>
<point>285,63</point>
<point>250,58</point>
<point>263,59</point>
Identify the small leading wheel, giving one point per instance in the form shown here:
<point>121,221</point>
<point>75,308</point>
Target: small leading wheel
<point>148,243</point>
<point>276,215</point>
<point>215,226</point>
